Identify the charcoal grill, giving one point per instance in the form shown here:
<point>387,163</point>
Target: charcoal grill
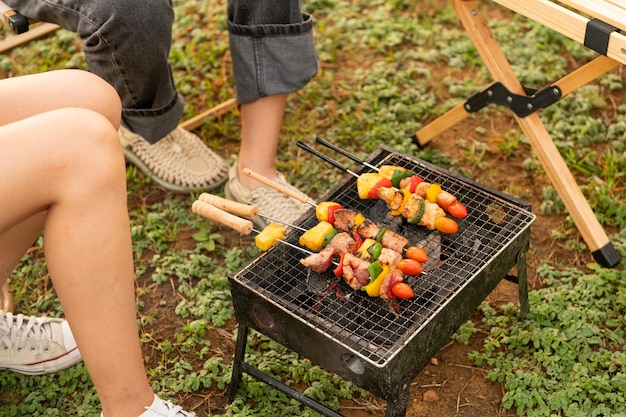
<point>362,339</point>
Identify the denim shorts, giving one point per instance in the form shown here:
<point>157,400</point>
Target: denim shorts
<point>127,43</point>
<point>272,46</point>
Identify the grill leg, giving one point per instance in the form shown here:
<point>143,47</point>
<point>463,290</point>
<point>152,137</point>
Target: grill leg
<point>398,402</point>
<point>240,351</point>
<point>522,284</point>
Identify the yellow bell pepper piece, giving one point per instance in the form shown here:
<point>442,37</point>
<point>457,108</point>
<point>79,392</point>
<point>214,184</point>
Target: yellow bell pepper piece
<point>359,219</point>
<point>362,252</point>
<point>373,288</point>
<point>269,236</point>
<point>405,199</point>
<point>314,237</point>
<point>386,171</point>
<point>432,192</point>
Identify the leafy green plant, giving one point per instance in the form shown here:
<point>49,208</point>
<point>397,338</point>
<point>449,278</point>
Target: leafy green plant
<point>566,357</point>
<point>387,69</point>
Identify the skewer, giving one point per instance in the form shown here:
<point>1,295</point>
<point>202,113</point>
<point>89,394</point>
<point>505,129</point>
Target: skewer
<point>243,226</point>
<point>204,208</point>
<point>248,211</point>
<point>327,159</point>
<point>345,153</point>
<point>459,214</point>
<point>278,187</point>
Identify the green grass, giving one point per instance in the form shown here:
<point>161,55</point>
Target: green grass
<point>380,80</point>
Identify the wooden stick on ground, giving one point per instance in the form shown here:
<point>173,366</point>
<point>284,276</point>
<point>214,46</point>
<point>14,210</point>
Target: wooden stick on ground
<point>215,111</point>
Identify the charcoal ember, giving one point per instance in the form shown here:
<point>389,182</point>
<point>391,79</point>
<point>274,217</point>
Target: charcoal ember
<point>316,282</point>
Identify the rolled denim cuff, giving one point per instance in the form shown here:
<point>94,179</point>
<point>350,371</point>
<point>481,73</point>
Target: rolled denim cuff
<point>272,59</point>
<point>154,124</point>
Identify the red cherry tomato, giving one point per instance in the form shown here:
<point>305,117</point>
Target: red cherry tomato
<point>410,267</point>
<point>446,225</point>
<point>457,210</point>
<point>402,290</point>
<point>417,253</point>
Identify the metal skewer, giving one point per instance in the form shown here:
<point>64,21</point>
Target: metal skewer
<point>329,145</point>
<point>327,159</point>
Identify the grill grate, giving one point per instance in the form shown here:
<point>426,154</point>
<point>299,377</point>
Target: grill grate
<point>366,326</point>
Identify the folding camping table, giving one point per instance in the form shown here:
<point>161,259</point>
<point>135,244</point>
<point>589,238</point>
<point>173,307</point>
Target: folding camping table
<point>595,24</point>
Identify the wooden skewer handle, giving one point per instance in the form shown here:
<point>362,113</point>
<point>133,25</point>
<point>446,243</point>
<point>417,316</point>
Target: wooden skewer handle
<point>245,210</point>
<point>274,185</point>
<point>210,212</point>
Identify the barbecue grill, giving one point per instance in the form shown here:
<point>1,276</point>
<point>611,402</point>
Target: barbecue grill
<point>377,346</point>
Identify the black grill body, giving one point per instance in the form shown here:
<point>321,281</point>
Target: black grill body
<point>362,339</point>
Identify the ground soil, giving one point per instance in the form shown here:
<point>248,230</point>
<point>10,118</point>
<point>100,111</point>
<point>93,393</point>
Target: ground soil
<point>451,384</point>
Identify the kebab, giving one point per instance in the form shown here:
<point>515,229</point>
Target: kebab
<point>329,211</point>
<point>356,271</point>
<point>370,258</point>
<point>348,219</point>
<point>390,175</point>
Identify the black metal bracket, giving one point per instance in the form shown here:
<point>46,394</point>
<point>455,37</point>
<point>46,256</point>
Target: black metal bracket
<point>17,22</point>
<point>521,105</point>
<point>597,35</point>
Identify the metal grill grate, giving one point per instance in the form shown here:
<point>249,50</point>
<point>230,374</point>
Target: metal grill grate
<point>366,326</point>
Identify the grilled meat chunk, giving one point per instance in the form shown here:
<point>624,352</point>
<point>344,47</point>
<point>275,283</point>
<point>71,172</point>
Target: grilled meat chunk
<point>444,199</point>
<point>432,212</point>
<point>368,230</point>
<point>389,257</point>
<point>422,189</point>
<point>392,196</point>
<point>394,276</point>
<point>394,241</point>
<point>347,220</point>
<point>319,261</point>
<point>354,271</point>
<point>342,243</point>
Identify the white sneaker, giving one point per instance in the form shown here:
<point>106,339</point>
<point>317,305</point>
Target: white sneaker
<point>160,408</point>
<point>180,162</point>
<point>36,345</point>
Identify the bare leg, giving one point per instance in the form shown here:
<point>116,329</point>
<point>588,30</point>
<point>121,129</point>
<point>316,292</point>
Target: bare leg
<point>74,173</point>
<point>261,122</point>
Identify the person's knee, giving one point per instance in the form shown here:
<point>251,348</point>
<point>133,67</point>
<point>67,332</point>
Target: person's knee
<point>91,146</point>
<point>105,99</point>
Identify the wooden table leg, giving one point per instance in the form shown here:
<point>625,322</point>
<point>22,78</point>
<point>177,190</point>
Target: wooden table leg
<point>592,232</point>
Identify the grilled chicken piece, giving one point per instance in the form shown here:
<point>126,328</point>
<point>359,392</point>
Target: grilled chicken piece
<point>444,199</point>
<point>354,271</point>
<point>432,212</point>
<point>422,189</point>
<point>412,207</point>
<point>389,257</point>
<point>345,220</point>
<point>368,230</point>
<point>392,196</point>
<point>394,241</point>
<point>320,261</point>
<point>394,276</point>
<point>342,243</point>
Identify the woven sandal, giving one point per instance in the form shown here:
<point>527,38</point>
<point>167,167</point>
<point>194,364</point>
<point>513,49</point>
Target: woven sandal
<point>180,162</point>
<point>270,202</point>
